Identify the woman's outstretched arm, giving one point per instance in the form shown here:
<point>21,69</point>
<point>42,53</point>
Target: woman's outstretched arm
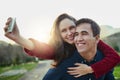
<point>31,46</point>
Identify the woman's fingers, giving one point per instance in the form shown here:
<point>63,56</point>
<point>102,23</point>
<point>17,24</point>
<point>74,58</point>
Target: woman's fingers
<point>79,70</point>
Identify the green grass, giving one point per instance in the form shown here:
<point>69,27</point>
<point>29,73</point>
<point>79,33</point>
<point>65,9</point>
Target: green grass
<point>15,77</point>
<point>117,72</point>
<point>30,66</point>
<point>27,66</point>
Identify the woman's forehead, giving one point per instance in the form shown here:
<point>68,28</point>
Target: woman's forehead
<point>66,22</point>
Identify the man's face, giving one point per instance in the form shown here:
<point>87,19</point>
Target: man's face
<point>84,40</point>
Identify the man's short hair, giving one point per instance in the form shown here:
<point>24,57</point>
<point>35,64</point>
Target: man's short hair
<point>94,26</point>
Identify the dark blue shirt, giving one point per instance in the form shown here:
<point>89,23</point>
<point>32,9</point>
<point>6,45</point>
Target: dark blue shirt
<point>60,73</point>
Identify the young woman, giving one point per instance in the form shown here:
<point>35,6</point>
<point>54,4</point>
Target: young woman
<point>61,46</point>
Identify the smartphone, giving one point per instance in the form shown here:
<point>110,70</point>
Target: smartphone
<point>11,25</point>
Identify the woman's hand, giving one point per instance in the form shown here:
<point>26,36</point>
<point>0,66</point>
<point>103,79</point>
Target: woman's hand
<point>14,35</point>
<point>79,70</point>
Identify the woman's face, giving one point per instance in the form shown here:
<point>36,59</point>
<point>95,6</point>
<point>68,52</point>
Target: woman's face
<point>67,30</point>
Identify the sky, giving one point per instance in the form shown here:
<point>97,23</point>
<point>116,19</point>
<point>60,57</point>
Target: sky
<point>35,17</point>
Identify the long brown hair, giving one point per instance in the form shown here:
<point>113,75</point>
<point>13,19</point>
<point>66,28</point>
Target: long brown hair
<point>62,49</point>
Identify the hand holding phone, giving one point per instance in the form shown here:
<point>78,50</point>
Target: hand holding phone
<point>11,25</point>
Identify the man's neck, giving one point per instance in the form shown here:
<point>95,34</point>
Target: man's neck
<point>89,56</point>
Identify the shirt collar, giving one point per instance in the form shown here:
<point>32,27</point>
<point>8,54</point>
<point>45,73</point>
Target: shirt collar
<point>97,57</point>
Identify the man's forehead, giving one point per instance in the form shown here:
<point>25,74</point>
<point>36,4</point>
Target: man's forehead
<point>83,27</point>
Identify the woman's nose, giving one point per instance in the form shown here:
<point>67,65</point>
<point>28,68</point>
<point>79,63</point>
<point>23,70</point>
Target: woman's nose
<point>69,32</point>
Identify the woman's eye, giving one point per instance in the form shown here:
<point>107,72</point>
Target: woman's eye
<point>76,34</point>
<point>64,30</point>
<point>72,27</point>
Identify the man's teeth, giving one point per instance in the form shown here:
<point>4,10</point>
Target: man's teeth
<point>80,44</point>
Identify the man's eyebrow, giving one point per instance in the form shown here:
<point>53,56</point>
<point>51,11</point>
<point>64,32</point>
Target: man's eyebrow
<point>84,31</point>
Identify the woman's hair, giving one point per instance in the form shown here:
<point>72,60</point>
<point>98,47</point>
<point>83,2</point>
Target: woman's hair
<point>62,49</point>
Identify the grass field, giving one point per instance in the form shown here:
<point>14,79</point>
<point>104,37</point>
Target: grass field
<point>27,66</point>
<point>117,72</point>
<point>33,65</point>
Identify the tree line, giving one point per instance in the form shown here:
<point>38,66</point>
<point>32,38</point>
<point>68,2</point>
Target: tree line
<point>13,54</point>
<point>114,41</point>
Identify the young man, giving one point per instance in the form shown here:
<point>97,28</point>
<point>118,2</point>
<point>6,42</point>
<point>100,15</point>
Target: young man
<point>86,38</point>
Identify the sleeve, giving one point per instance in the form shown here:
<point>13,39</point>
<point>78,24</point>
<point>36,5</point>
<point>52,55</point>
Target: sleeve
<point>41,50</point>
<point>110,60</point>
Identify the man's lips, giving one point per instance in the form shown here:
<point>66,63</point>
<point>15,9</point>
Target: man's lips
<point>80,44</point>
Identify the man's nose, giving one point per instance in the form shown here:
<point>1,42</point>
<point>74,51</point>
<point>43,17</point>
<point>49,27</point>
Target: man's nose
<point>80,38</point>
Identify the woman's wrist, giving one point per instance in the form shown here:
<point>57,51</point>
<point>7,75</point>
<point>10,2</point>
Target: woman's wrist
<point>89,69</point>
<point>26,43</point>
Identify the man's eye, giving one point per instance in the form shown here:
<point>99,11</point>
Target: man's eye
<point>76,34</point>
<point>84,33</point>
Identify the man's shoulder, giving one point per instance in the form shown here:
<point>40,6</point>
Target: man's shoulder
<point>99,55</point>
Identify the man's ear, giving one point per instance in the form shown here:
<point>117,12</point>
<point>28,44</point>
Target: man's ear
<point>97,38</point>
